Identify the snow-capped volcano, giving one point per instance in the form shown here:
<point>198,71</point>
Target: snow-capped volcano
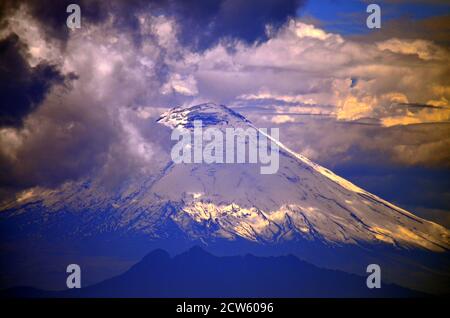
<point>210,114</point>
<point>302,199</point>
<point>207,201</point>
<point>303,202</point>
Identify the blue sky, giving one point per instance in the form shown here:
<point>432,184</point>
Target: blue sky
<point>348,16</point>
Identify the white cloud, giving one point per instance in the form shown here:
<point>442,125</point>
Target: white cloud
<point>300,69</point>
<point>305,65</point>
<point>425,50</point>
<point>185,85</point>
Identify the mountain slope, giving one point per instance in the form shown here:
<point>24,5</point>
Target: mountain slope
<point>235,200</point>
<point>302,199</point>
<point>303,209</point>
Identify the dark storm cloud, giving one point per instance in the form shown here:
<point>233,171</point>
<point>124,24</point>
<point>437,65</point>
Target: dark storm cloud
<point>203,22</point>
<point>206,22</point>
<point>68,145</point>
<point>22,87</point>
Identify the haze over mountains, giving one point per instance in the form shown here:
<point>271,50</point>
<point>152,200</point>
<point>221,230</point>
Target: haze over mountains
<point>196,273</point>
<point>304,209</point>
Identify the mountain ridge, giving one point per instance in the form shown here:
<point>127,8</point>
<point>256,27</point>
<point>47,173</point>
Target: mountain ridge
<point>197,273</point>
<point>303,209</point>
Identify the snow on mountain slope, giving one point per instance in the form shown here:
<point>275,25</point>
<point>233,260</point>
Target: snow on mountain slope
<point>228,201</point>
<point>302,199</point>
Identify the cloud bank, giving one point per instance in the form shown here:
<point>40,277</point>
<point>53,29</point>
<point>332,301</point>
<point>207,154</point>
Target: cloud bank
<point>86,100</point>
